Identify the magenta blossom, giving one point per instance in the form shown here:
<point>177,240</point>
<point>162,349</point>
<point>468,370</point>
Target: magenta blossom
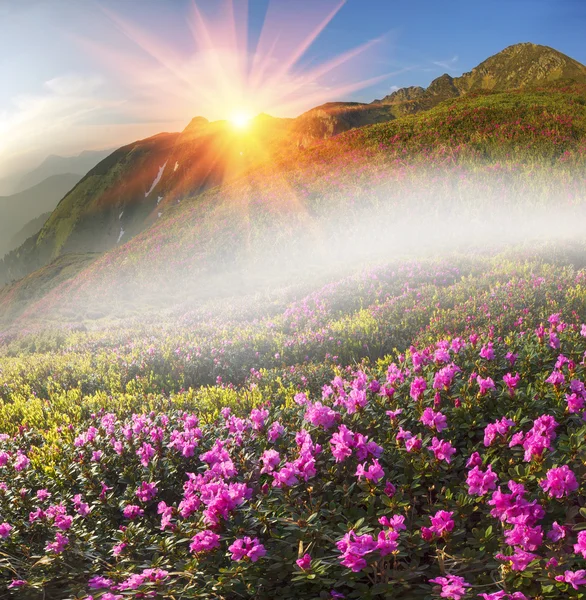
<point>453,587</point>
<point>247,548</point>
<point>434,420</point>
<point>204,541</point>
<point>442,450</point>
<point>559,482</point>
<point>580,547</point>
<point>574,578</point>
<point>481,482</point>
<point>304,563</point>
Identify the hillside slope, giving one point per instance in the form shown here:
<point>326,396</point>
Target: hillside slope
<point>17,210</point>
<point>381,188</point>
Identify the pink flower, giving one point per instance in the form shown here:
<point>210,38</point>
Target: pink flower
<point>270,460</point>
<point>17,583</point>
<point>574,578</point>
<point>5,529</point>
<point>434,420</point>
<point>21,462</point>
<point>557,532</point>
<point>204,541</point>
<point>131,511</point>
<point>580,547</point>
<point>442,523</point>
<point>520,560</point>
<point>511,381</point>
<point>487,352</point>
<point>485,385</point>
<point>146,491</point>
<point>442,450</point>
<point>418,386</point>
<point>453,587</point>
<point>304,563</point>
<point>354,548</point>
<point>479,482</point>
<point>247,548</point>
<point>119,548</point>
<point>97,583</point>
<point>559,482</point>
<point>575,403</point>
<point>374,472</point>
<point>319,415</point>
<point>58,545</point>
<point>275,431</point>
<point>258,418</point>
<point>492,430</point>
<point>145,453</point>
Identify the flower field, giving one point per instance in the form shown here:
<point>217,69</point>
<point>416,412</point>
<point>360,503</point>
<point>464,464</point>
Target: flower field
<point>414,430</point>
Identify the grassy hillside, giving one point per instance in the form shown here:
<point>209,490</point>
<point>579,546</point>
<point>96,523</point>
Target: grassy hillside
<point>472,156</point>
<point>21,208</point>
<point>135,457</point>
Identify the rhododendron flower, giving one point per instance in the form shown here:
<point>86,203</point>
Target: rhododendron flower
<point>354,548</point>
<point>574,578</point>
<point>575,403</point>
<point>145,453</point>
<point>304,562</point>
<point>22,462</point>
<point>58,545</point>
<point>520,560</point>
<point>258,418</point>
<point>475,460</point>
<point>556,378</point>
<point>319,415</point>
<point>146,491</point>
<point>485,385</point>
<point>204,541</point>
<point>539,437</point>
<point>501,595</point>
<point>511,381</point>
<point>374,472</point>
<point>487,351</point>
<point>132,511</point>
<point>119,548</point>
<point>247,548</point>
<point>97,583</point>
<point>580,547</point>
<point>5,529</point>
<point>453,587</point>
<point>396,522</point>
<point>500,427</point>
<point>270,459</point>
<point>393,414</point>
<point>434,420</point>
<point>524,536</point>
<point>390,489</point>
<point>442,450</point>
<point>18,583</point>
<point>479,482</point>
<point>275,431</point>
<point>559,482</point>
<point>557,532</point>
<point>418,386</point>
<point>386,542</point>
<point>43,495</point>
<point>442,523</point>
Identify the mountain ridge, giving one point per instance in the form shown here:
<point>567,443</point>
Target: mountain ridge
<point>131,189</point>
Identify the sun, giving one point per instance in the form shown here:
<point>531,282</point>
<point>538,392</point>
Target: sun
<point>241,120</point>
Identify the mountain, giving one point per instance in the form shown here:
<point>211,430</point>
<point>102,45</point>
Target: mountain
<point>56,165</point>
<point>135,186</point>
<point>464,174</point>
<point>30,229</point>
<point>19,209</point>
<point>519,66</point>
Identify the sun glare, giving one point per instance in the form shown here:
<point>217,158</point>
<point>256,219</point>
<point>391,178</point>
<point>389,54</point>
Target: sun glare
<point>240,120</point>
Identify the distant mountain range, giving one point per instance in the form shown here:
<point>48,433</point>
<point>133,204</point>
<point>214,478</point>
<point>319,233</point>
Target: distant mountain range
<point>53,165</point>
<point>18,210</point>
<point>129,190</point>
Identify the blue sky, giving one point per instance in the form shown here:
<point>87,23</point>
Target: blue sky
<point>58,96</point>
